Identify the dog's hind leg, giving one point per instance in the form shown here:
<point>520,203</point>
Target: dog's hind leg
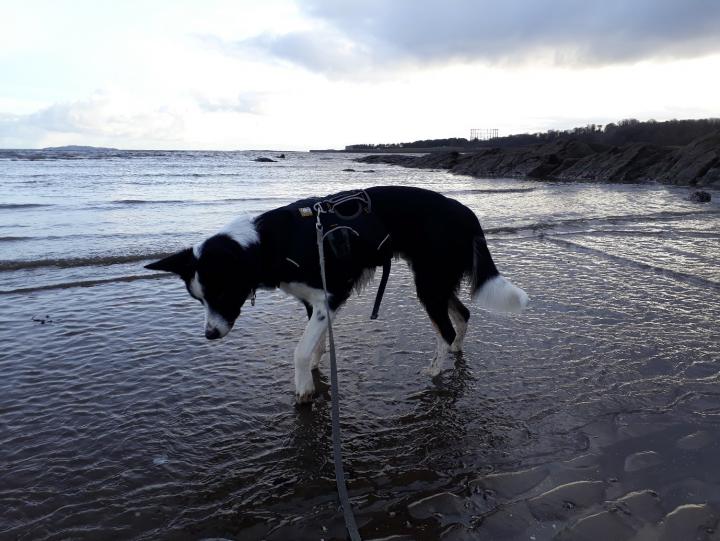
<point>435,286</point>
<point>459,315</point>
<point>437,309</point>
<point>314,333</point>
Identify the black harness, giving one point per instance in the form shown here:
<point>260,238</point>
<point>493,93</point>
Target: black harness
<point>347,219</point>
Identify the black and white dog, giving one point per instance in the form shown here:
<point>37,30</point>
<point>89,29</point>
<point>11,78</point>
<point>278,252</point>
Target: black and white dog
<point>440,238</point>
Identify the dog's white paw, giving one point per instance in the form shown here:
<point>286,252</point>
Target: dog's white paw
<point>305,398</point>
<point>304,391</point>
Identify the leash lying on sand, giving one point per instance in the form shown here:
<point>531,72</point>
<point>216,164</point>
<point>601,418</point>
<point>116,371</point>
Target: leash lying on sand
<point>350,523</point>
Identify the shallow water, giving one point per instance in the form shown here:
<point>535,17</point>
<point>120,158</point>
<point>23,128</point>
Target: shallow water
<point>596,411</point>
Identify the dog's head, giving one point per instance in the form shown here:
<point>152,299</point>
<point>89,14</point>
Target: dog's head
<point>220,273</point>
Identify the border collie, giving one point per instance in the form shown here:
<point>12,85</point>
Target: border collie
<point>440,238</point>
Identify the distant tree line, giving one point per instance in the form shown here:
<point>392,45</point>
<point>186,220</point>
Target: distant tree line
<point>629,130</point>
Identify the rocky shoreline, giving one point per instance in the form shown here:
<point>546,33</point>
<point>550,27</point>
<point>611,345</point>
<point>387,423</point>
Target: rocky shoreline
<point>695,164</point>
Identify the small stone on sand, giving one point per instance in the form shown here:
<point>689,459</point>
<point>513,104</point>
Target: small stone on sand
<point>510,484</point>
<point>445,507</point>
<point>598,527</point>
<point>563,501</point>
<point>643,504</point>
<point>696,440</point>
<point>689,521</point>
<point>642,460</point>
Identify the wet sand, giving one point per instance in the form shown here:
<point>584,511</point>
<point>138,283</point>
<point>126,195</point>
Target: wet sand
<point>594,415</point>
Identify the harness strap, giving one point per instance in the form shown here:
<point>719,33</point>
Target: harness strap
<point>381,289</point>
<point>329,206</point>
<point>350,523</point>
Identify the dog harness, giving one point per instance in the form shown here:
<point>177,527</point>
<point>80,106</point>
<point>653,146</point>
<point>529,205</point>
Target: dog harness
<point>352,232</point>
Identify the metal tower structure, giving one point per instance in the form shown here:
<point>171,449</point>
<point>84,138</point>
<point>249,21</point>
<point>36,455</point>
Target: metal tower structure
<point>483,134</point>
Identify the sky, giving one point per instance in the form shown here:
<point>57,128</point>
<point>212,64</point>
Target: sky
<point>302,74</point>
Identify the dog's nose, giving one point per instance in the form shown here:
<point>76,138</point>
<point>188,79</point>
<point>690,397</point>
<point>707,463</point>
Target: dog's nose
<point>212,334</point>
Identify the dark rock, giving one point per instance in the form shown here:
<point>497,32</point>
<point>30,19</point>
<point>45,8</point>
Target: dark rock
<point>438,160</point>
<point>281,156</point>
<point>697,163</point>
<point>618,164</point>
<point>263,159</point>
<point>349,170</point>
<point>699,196</point>
<point>689,165</point>
<point>392,159</point>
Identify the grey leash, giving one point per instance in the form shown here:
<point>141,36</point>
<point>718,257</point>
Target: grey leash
<point>350,523</point>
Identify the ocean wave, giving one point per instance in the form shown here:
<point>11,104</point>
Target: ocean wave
<point>148,201</point>
<point>488,191</point>
<point>13,239</point>
<point>82,283</point>
<point>195,201</point>
<point>662,271</point>
<point>538,229</point>
<point>75,236</point>
<point>11,206</point>
<point>90,261</point>
<point>599,220</point>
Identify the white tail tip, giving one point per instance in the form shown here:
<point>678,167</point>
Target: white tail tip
<point>499,295</point>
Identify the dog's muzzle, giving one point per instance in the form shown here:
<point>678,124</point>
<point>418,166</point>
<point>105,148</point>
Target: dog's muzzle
<point>216,326</point>
<point>212,334</point>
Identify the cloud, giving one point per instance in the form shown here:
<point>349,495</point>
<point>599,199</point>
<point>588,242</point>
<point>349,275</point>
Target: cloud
<point>98,117</point>
<point>249,103</point>
<point>354,35</point>
<point>323,50</point>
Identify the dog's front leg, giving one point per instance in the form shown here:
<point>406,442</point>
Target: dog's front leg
<point>319,352</point>
<point>314,332</point>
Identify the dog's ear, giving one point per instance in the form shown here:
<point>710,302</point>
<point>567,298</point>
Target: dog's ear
<point>182,263</point>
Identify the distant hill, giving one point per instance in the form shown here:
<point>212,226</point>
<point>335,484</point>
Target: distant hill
<point>666,134</point>
<point>78,148</point>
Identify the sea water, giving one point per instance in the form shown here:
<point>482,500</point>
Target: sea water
<point>119,420</point>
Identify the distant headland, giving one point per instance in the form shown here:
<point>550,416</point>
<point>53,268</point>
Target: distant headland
<point>78,148</point>
<point>681,152</point>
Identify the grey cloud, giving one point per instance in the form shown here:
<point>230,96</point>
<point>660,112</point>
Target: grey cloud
<point>376,34</point>
<point>324,50</point>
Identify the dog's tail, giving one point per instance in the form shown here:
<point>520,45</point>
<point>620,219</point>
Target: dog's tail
<point>489,288</point>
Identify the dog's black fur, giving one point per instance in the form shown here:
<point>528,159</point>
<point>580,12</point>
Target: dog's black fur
<point>440,238</point>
